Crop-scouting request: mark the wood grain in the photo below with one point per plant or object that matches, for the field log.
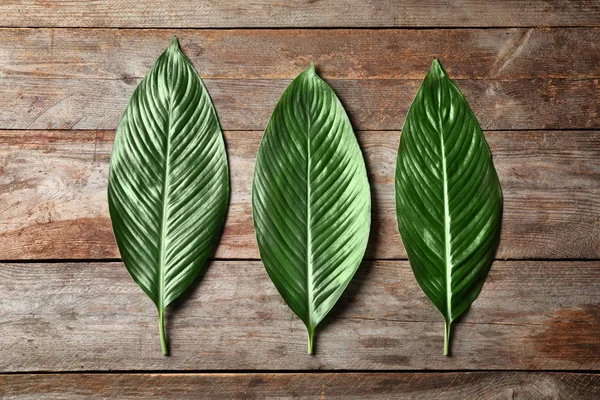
(343, 386)
(53, 194)
(91, 316)
(302, 13)
(531, 72)
(65, 79)
(530, 53)
(241, 104)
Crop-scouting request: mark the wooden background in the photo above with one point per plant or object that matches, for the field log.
(74, 325)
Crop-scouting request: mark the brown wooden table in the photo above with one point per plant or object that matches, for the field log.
(74, 325)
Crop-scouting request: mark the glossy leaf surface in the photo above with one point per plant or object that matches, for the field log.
(448, 197)
(311, 199)
(168, 182)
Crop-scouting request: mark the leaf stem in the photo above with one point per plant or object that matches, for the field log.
(447, 338)
(161, 328)
(311, 331)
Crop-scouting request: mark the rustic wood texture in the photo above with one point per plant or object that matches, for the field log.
(246, 104)
(53, 194)
(530, 70)
(64, 79)
(343, 386)
(280, 54)
(80, 316)
(301, 13)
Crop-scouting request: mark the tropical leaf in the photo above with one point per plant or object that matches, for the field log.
(448, 197)
(311, 200)
(168, 183)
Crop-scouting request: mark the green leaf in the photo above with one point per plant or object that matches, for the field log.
(310, 199)
(168, 183)
(448, 197)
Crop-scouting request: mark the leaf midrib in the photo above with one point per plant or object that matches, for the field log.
(309, 266)
(165, 209)
(446, 215)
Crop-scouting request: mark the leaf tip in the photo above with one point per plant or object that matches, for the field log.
(311, 68)
(436, 68)
(174, 43)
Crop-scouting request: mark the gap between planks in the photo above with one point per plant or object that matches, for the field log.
(304, 28)
(294, 371)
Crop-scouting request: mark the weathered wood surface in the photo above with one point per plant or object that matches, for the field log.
(532, 87)
(64, 79)
(53, 194)
(516, 53)
(343, 386)
(80, 316)
(301, 13)
(241, 104)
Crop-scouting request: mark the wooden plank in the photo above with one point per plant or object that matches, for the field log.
(304, 13)
(376, 104)
(53, 194)
(80, 316)
(280, 54)
(346, 386)
(65, 79)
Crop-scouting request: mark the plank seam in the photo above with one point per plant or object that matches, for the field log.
(315, 27)
(300, 371)
(495, 130)
(119, 260)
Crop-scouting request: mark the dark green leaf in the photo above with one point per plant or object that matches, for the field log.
(311, 200)
(448, 197)
(168, 183)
